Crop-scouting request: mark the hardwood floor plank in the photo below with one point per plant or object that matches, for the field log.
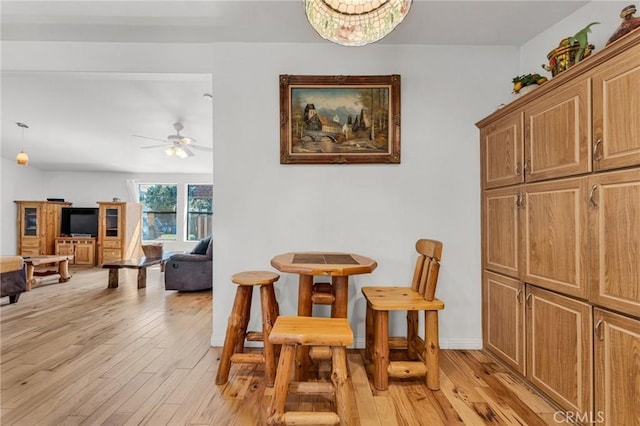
(81, 354)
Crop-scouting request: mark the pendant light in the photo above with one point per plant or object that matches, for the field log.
(22, 158)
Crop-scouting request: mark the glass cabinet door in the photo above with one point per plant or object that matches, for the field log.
(30, 221)
(111, 222)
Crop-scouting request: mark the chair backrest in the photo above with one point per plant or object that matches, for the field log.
(425, 276)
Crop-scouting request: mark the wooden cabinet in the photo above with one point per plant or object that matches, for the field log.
(501, 230)
(501, 145)
(119, 231)
(616, 116)
(616, 349)
(503, 324)
(82, 249)
(554, 235)
(557, 134)
(614, 236)
(559, 348)
(38, 226)
(568, 232)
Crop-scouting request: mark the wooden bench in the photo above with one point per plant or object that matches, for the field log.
(139, 263)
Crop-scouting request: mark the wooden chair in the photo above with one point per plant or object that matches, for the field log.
(293, 333)
(422, 353)
(233, 350)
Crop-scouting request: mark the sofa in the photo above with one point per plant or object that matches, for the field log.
(191, 271)
(13, 277)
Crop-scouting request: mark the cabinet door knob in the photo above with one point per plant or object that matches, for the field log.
(596, 152)
(592, 195)
(598, 330)
(519, 296)
(527, 166)
(518, 164)
(528, 300)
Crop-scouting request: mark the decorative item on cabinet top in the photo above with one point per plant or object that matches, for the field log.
(570, 51)
(629, 23)
(525, 83)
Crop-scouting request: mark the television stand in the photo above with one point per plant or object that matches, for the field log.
(83, 249)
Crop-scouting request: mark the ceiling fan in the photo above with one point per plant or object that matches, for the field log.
(176, 144)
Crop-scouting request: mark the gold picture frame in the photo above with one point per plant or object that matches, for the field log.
(339, 119)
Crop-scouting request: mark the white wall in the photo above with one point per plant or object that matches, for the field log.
(264, 208)
(18, 183)
(534, 53)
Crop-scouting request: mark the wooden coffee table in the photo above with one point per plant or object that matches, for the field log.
(139, 263)
(40, 277)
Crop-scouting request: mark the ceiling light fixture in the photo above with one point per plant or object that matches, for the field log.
(181, 153)
(22, 158)
(170, 150)
(355, 22)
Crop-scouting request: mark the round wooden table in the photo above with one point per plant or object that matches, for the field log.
(338, 266)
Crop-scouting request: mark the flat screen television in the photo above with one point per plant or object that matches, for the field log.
(79, 221)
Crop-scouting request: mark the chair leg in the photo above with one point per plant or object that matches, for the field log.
(412, 334)
(274, 313)
(381, 351)
(432, 349)
(233, 327)
(369, 339)
(305, 288)
(267, 325)
(341, 384)
(246, 316)
(281, 387)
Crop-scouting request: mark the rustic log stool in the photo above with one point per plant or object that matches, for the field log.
(293, 333)
(233, 350)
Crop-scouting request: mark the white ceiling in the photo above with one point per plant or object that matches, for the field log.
(85, 121)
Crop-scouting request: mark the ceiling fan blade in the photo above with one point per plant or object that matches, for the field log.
(188, 151)
(153, 139)
(201, 148)
(152, 146)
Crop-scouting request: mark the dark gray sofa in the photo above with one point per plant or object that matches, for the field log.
(190, 271)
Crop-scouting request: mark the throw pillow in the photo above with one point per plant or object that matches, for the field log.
(202, 246)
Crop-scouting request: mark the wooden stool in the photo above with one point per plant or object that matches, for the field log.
(239, 320)
(293, 333)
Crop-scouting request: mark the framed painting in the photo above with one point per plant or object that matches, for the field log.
(339, 119)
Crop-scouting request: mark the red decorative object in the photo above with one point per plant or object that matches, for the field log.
(629, 23)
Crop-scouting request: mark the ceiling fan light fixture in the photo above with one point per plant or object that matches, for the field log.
(170, 150)
(355, 22)
(180, 153)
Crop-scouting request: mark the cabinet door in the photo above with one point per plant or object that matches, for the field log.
(614, 234)
(501, 231)
(616, 348)
(84, 253)
(559, 348)
(616, 112)
(64, 249)
(501, 146)
(503, 319)
(554, 232)
(557, 133)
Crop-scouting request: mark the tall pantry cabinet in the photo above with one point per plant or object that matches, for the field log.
(561, 234)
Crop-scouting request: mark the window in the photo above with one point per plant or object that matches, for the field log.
(158, 211)
(199, 211)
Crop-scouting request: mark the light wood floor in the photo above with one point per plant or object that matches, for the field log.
(79, 353)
